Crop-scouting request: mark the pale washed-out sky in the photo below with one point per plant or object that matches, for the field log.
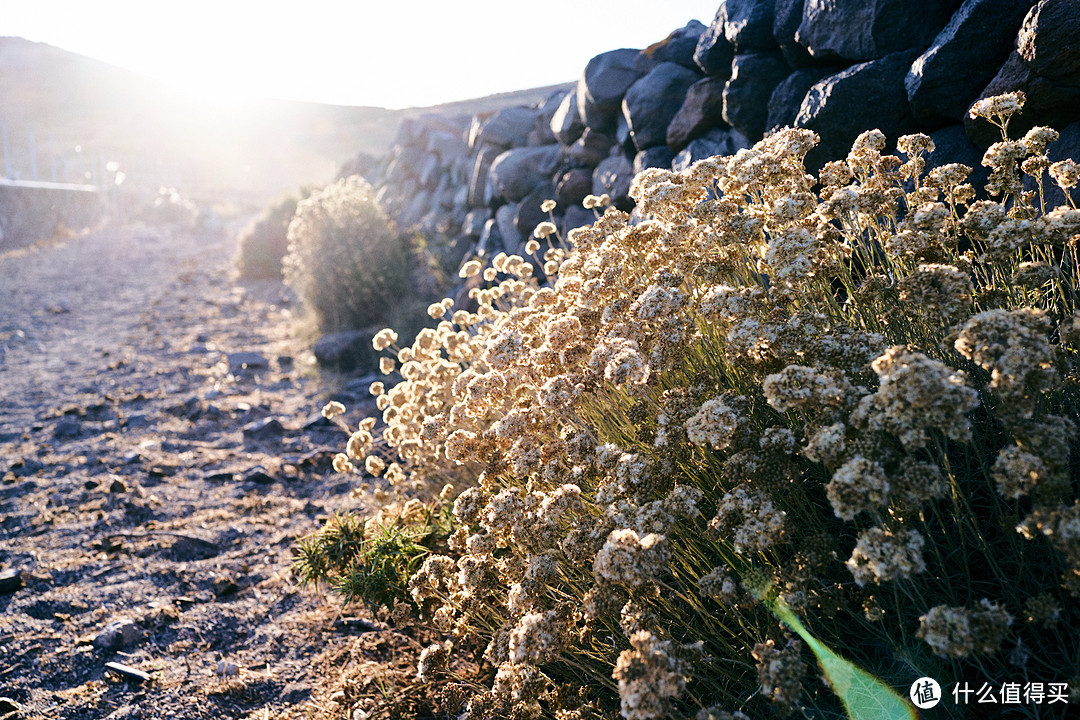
(390, 53)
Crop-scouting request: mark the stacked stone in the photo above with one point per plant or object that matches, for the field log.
(837, 68)
(423, 181)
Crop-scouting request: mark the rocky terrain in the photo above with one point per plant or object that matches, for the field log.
(161, 450)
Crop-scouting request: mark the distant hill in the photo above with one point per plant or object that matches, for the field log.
(68, 118)
(490, 103)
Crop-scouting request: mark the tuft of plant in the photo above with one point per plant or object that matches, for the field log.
(854, 396)
(369, 562)
(345, 260)
(264, 241)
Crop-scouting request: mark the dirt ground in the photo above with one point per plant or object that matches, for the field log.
(154, 481)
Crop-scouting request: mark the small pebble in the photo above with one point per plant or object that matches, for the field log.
(227, 669)
(118, 634)
(127, 671)
(10, 581)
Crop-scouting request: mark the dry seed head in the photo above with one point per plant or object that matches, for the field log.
(374, 465)
(472, 267)
(1065, 173)
(948, 176)
(956, 632)
(713, 425)
(629, 559)
(882, 555)
(649, 676)
(998, 105)
(332, 410)
(913, 144)
(543, 230)
(342, 463)
(596, 201)
(780, 672)
(858, 485)
(384, 339)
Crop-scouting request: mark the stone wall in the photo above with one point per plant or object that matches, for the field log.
(474, 186)
(32, 211)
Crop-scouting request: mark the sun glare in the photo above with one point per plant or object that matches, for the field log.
(393, 55)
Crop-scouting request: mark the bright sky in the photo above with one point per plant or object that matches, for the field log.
(390, 53)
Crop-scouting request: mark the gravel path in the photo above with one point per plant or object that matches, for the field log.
(153, 483)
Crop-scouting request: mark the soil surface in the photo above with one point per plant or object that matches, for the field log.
(161, 449)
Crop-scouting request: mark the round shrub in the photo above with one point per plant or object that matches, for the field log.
(264, 241)
(345, 259)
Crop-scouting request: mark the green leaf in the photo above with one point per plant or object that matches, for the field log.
(864, 696)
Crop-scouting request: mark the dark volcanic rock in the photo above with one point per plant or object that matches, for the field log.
(566, 123)
(508, 229)
(841, 106)
(258, 475)
(66, 429)
(679, 46)
(602, 86)
(118, 634)
(576, 216)
(474, 221)
(346, 351)
(787, 16)
(542, 134)
(1045, 66)
(265, 430)
(748, 25)
(246, 360)
(1048, 41)
(589, 149)
(701, 111)
(945, 80)
(786, 100)
(572, 187)
(481, 170)
(447, 145)
(612, 176)
(651, 103)
(871, 29)
(754, 76)
(505, 128)
(658, 157)
(529, 214)
(10, 581)
(517, 171)
(491, 240)
(713, 53)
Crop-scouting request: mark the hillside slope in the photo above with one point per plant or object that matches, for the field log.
(66, 117)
